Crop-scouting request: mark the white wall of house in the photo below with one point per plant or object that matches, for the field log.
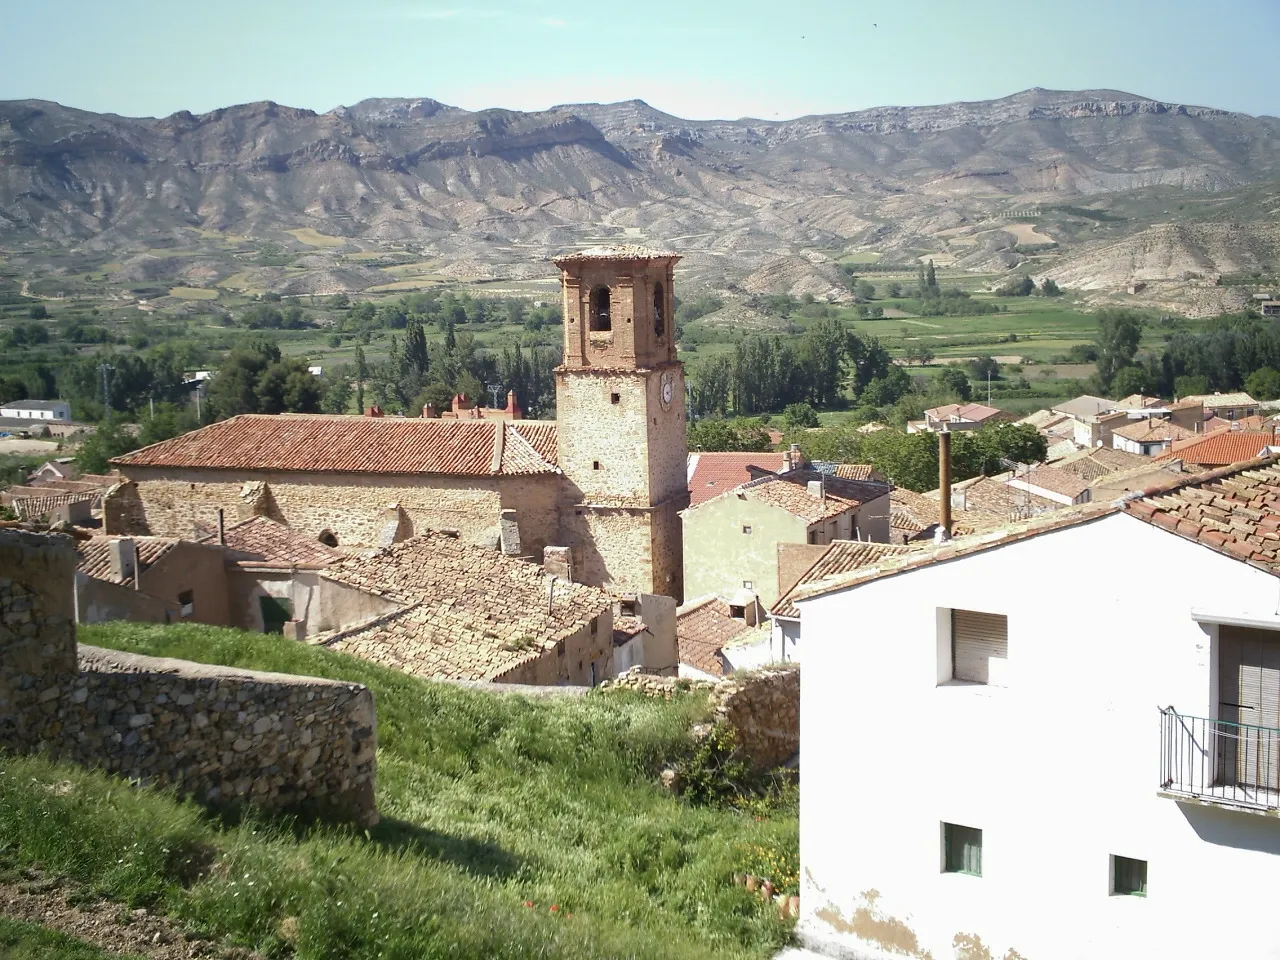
(784, 640)
(1059, 768)
(56, 411)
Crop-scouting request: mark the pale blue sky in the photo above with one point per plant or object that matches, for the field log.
(694, 58)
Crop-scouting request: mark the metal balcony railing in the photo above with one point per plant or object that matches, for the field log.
(1219, 762)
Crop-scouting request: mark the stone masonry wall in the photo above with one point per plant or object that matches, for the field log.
(178, 502)
(762, 707)
(218, 734)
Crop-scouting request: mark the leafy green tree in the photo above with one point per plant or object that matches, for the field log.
(1130, 380)
(335, 391)
(11, 389)
(865, 290)
(1189, 386)
(38, 312)
(1263, 384)
(799, 415)
(980, 452)
(984, 368)
(888, 389)
(716, 435)
(894, 289)
(169, 420)
(234, 390)
(287, 386)
(362, 374)
(1019, 286)
(107, 441)
(952, 378)
(1049, 289)
(1119, 333)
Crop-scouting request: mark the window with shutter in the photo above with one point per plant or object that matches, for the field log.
(979, 646)
(961, 849)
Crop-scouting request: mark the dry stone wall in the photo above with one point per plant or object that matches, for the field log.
(762, 707)
(221, 735)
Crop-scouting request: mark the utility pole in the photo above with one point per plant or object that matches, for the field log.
(495, 390)
(105, 370)
(988, 386)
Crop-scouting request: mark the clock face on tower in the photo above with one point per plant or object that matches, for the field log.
(668, 385)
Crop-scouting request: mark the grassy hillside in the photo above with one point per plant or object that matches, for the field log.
(512, 827)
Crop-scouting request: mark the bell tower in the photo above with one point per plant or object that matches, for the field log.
(620, 409)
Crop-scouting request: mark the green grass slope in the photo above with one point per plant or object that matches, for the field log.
(512, 827)
(29, 941)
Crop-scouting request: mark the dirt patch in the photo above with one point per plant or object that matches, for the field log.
(1027, 233)
(108, 925)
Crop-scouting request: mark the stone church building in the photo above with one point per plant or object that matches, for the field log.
(607, 479)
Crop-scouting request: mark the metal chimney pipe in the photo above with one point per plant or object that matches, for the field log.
(944, 484)
(222, 528)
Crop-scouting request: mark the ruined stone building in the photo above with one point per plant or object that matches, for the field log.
(606, 480)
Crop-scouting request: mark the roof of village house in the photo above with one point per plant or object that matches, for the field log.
(1055, 480)
(911, 513)
(626, 627)
(840, 557)
(263, 540)
(790, 491)
(985, 498)
(94, 555)
(465, 612)
(1059, 449)
(1237, 399)
(1214, 424)
(351, 444)
(1136, 401)
(711, 474)
(856, 471)
(1085, 407)
(1254, 421)
(1153, 431)
(1094, 463)
(703, 627)
(1221, 448)
(974, 412)
(626, 251)
(1043, 419)
(1234, 510)
(34, 404)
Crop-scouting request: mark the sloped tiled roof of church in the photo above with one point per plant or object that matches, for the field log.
(326, 443)
(464, 612)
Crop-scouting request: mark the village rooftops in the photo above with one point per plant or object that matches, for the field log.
(1221, 448)
(1153, 431)
(841, 557)
(46, 406)
(626, 251)
(464, 612)
(1093, 464)
(852, 471)
(95, 555)
(262, 541)
(1213, 401)
(792, 491)
(1086, 407)
(711, 474)
(985, 498)
(324, 443)
(1055, 480)
(1233, 510)
(971, 412)
(703, 628)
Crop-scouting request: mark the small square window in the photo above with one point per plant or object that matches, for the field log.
(187, 603)
(961, 849)
(747, 584)
(1128, 877)
(615, 398)
(595, 464)
(737, 612)
(746, 529)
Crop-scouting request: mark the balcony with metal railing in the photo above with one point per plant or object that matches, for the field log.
(1220, 763)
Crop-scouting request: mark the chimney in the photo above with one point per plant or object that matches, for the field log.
(429, 412)
(513, 408)
(944, 486)
(222, 528)
(817, 489)
(558, 562)
(797, 458)
(124, 560)
(460, 403)
(374, 411)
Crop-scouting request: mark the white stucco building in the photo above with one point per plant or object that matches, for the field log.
(37, 410)
(993, 772)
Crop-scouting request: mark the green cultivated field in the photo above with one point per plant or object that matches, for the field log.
(512, 828)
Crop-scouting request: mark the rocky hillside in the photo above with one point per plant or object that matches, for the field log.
(753, 204)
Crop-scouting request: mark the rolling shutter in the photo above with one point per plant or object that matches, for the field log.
(976, 640)
(1249, 664)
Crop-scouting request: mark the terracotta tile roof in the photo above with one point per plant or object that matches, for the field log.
(264, 540)
(1097, 463)
(1152, 431)
(624, 628)
(1234, 510)
(1221, 448)
(1255, 422)
(1213, 401)
(841, 557)
(912, 513)
(703, 627)
(975, 412)
(1136, 401)
(346, 444)
(627, 251)
(790, 492)
(1055, 480)
(711, 474)
(95, 555)
(1214, 424)
(1044, 419)
(857, 471)
(958, 547)
(1085, 407)
(1058, 449)
(464, 612)
(984, 500)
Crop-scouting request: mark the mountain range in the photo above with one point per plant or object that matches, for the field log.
(1097, 187)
